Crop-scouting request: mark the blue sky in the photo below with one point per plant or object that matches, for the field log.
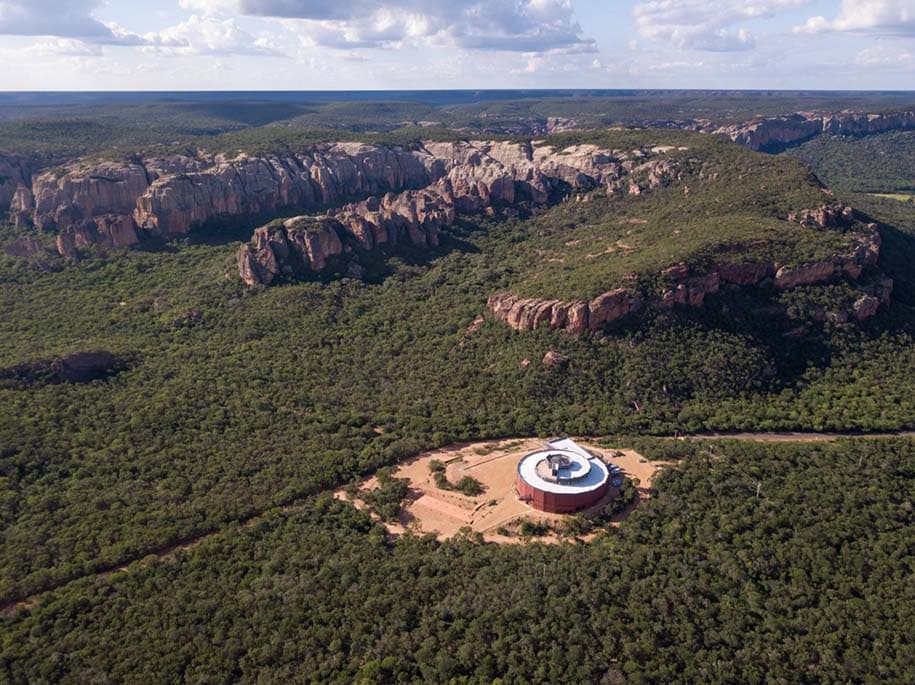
(407, 44)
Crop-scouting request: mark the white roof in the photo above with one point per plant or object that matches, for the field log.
(570, 445)
(594, 471)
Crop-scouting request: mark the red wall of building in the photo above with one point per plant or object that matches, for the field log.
(558, 503)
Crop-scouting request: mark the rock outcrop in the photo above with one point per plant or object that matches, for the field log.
(305, 244)
(475, 178)
(865, 253)
(119, 203)
(15, 173)
(579, 316)
(555, 359)
(684, 288)
(830, 215)
(772, 133)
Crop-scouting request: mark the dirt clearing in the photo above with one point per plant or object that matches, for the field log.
(497, 513)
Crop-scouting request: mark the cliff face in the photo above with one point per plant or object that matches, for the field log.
(121, 203)
(775, 132)
(687, 289)
(475, 178)
(575, 317)
(305, 244)
(15, 184)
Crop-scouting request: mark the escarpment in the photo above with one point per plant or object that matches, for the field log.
(121, 203)
(478, 178)
(777, 132)
(684, 287)
(304, 244)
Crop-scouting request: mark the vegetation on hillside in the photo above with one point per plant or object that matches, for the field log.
(247, 405)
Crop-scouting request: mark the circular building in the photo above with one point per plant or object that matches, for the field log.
(560, 480)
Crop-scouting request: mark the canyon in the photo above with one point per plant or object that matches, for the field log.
(347, 198)
(118, 203)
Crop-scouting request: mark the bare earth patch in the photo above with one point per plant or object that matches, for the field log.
(445, 513)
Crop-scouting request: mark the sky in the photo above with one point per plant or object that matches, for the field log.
(443, 44)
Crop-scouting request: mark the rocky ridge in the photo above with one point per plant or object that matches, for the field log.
(118, 204)
(480, 178)
(121, 203)
(777, 132)
(685, 288)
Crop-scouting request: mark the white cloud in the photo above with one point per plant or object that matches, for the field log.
(71, 19)
(534, 26)
(883, 56)
(702, 25)
(209, 7)
(208, 36)
(70, 47)
(886, 17)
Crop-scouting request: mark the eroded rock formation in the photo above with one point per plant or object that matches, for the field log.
(119, 203)
(476, 178)
(780, 131)
(575, 317)
(307, 244)
(687, 289)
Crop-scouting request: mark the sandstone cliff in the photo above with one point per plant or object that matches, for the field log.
(474, 178)
(777, 132)
(121, 203)
(684, 288)
(304, 244)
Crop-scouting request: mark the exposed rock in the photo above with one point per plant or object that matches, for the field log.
(73, 196)
(22, 205)
(612, 306)
(676, 272)
(780, 131)
(692, 291)
(774, 131)
(66, 246)
(832, 215)
(25, 247)
(805, 274)
(574, 317)
(865, 307)
(850, 123)
(555, 359)
(169, 196)
(478, 322)
(307, 244)
(15, 173)
(865, 253)
(475, 178)
(686, 290)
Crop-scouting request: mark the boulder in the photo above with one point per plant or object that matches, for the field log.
(555, 359)
(865, 307)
